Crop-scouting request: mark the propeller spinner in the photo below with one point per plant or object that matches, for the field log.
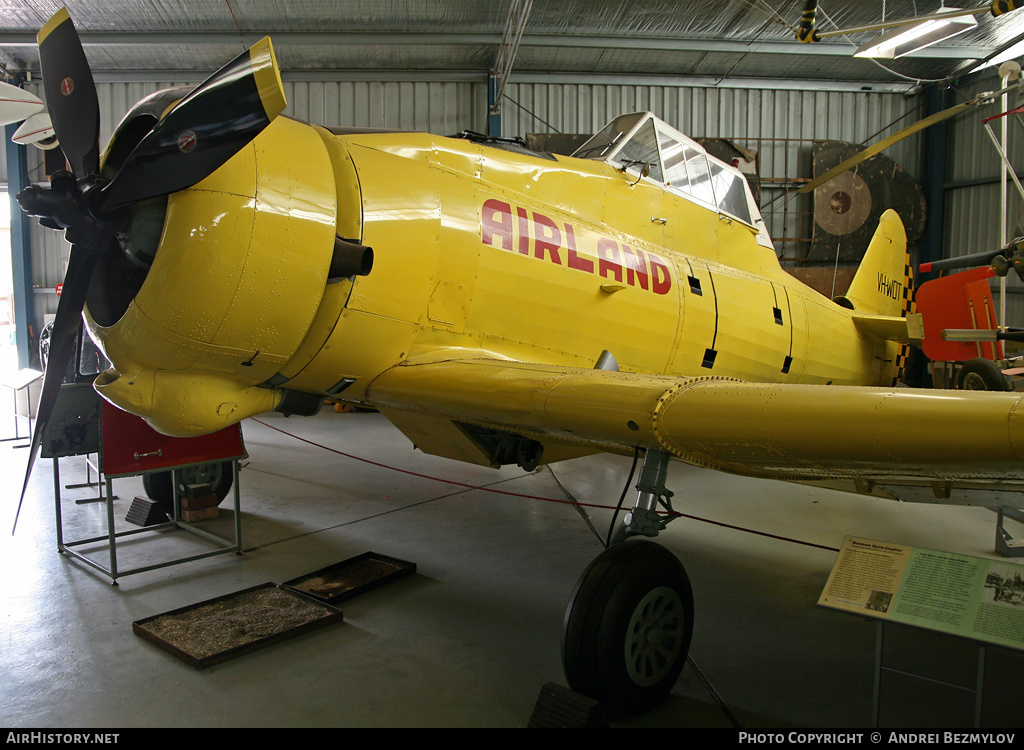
(189, 142)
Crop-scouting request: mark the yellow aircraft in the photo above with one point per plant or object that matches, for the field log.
(515, 308)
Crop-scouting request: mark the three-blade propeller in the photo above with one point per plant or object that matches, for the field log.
(188, 143)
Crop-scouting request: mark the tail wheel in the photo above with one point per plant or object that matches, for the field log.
(981, 375)
(159, 485)
(627, 629)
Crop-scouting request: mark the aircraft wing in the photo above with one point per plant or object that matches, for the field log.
(963, 447)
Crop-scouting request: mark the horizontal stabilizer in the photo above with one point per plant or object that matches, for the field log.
(892, 328)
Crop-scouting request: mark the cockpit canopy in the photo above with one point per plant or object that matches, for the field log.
(641, 142)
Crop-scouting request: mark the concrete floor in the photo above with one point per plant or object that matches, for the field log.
(472, 637)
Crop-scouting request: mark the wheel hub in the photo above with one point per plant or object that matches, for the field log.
(974, 382)
(654, 636)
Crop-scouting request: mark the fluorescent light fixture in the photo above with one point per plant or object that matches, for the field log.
(906, 39)
(1015, 28)
(1012, 53)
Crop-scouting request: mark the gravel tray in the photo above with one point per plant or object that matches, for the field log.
(213, 631)
(352, 577)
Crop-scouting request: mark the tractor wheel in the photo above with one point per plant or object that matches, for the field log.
(981, 375)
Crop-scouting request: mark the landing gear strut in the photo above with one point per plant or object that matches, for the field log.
(627, 629)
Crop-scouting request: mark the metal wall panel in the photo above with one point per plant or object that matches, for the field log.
(973, 196)
(442, 107)
(712, 112)
(973, 175)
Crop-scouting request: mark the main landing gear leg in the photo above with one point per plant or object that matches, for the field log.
(627, 629)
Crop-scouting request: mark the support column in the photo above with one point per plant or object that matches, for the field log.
(493, 106)
(21, 250)
(933, 176)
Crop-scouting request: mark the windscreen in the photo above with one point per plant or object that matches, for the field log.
(607, 138)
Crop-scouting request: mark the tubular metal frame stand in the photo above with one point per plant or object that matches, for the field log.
(90, 467)
(1006, 545)
(30, 377)
(111, 537)
(17, 435)
(879, 668)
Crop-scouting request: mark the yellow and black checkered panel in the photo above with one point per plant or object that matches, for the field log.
(908, 307)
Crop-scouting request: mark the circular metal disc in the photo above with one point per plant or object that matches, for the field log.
(842, 204)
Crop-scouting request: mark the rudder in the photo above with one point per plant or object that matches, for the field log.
(884, 285)
(884, 282)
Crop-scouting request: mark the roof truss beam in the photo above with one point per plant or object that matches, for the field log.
(617, 42)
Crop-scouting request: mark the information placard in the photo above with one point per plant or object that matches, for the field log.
(966, 596)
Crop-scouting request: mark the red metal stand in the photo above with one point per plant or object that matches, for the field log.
(130, 447)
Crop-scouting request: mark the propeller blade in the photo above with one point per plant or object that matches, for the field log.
(16, 104)
(202, 131)
(882, 145)
(70, 93)
(964, 261)
(945, 114)
(62, 345)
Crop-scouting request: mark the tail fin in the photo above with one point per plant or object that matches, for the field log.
(884, 283)
(884, 286)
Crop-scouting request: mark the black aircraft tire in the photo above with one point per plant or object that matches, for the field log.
(981, 374)
(159, 487)
(627, 629)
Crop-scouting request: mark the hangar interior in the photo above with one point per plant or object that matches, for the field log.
(472, 638)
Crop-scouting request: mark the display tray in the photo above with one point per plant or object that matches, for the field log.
(219, 629)
(351, 577)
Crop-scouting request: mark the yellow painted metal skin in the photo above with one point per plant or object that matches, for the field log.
(234, 290)
(863, 439)
(461, 293)
(267, 77)
(498, 279)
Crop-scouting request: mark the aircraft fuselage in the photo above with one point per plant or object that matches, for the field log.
(476, 250)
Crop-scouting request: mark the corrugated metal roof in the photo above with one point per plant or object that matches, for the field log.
(727, 38)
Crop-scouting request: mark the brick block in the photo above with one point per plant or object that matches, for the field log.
(201, 502)
(191, 516)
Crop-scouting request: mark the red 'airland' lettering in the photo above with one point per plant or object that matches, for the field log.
(610, 259)
(524, 232)
(575, 261)
(533, 233)
(635, 263)
(549, 239)
(496, 219)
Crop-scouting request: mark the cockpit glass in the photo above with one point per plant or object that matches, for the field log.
(700, 176)
(730, 193)
(674, 155)
(642, 150)
(607, 138)
(669, 157)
